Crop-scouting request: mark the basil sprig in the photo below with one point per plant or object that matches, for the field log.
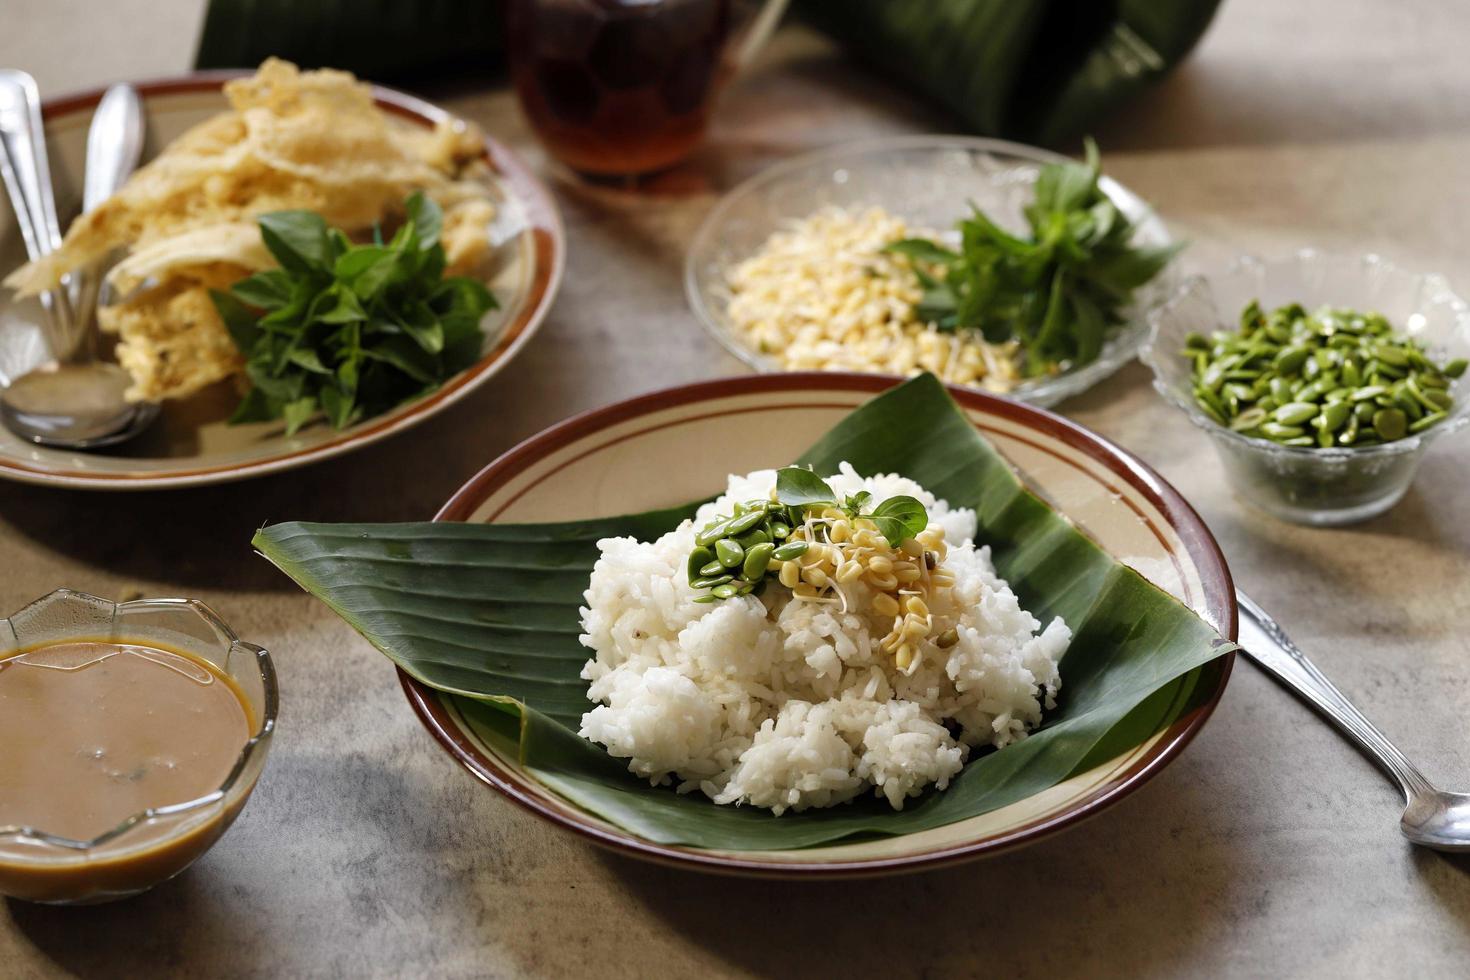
(898, 518)
(350, 330)
(1060, 290)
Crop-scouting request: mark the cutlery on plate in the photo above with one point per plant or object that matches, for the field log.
(76, 402)
(114, 147)
(1432, 817)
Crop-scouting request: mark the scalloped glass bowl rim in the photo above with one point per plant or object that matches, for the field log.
(259, 743)
(1123, 346)
(1151, 356)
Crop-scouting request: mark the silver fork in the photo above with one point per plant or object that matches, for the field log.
(1432, 817)
(76, 401)
(23, 162)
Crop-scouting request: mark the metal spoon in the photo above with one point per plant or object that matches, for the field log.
(1432, 818)
(78, 401)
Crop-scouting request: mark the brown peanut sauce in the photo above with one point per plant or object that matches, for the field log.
(96, 732)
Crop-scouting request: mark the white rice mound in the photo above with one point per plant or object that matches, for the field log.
(787, 704)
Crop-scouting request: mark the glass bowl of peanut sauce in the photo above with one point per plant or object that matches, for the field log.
(133, 735)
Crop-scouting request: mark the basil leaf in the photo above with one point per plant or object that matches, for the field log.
(281, 389)
(1128, 270)
(266, 290)
(1105, 218)
(797, 487)
(1047, 338)
(337, 406)
(367, 269)
(420, 323)
(350, 330)
(297, 412)
(899, 518)
(308, 359)
(426, 218)
(344, 309)
(238, 321)
(1088, 326)
(298, 240)
(406, 356)
(347, 378)
(468, 295)
(922, 250)
(1056, 291)
(254, 407)
(430, 263)
(303, 292)
(935, 304)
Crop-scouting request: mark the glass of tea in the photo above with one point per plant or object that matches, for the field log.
(625, 87)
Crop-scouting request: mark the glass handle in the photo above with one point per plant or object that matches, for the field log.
(759, 32)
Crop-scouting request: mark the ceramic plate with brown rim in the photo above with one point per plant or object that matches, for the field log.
(192, 444)
(597, 465)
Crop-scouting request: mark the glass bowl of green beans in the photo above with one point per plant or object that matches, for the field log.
(1321, 379)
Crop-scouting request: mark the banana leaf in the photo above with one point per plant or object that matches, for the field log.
(489, 613)
(1041, 70)
(1037, 70)
(376, 39)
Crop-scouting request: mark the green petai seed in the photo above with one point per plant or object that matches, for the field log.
(1295, 413)
(711, 533)
(1275, 430)
(1290, 360)
(698, 558)
(745, 522)
(1334, 416)
(752, 538)
(789, 550)
(1331, 377)
(1248, 419)
(756, 561)
(1390, 424)
(729, 552)
(1427, 421)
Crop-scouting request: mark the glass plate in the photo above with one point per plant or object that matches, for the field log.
(928, 181)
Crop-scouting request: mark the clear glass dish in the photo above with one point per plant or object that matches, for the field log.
(928, 181)
(1312, 485)
(154, 845)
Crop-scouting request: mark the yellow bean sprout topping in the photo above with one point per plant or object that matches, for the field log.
(903, 580)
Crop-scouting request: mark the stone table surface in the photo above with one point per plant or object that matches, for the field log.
(1268, 848)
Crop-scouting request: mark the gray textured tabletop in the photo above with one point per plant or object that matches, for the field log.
(1268, 848)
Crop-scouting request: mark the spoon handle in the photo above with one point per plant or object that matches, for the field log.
(114, 146)
(1265, 642)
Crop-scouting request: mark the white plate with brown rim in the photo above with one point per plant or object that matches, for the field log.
(192, 444)
(597, 465)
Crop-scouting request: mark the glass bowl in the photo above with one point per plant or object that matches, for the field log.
(1312, 485)
(153, 845)
(929, 181)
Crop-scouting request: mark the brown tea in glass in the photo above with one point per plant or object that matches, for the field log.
(621, 87)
